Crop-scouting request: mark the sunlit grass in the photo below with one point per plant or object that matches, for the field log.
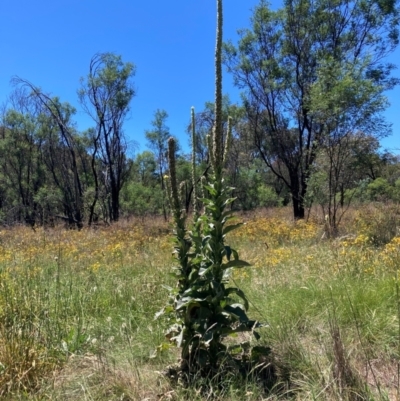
(69, 293)
(77, 310)
(303, 286)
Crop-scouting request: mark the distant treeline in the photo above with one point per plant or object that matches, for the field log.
(313, 79)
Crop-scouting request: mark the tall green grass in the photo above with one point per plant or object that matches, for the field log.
(76, 314)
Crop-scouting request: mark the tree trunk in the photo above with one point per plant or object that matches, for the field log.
(114, 204)
(298, 207)
(297, 195)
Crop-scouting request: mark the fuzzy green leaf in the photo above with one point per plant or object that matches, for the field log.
(235, 263)
(229, 201)
(239, 293)
(187, 302)
(228, 229)
(228, 252)
(206, 202)
(237, 310)
(210, 188)
(235, 254)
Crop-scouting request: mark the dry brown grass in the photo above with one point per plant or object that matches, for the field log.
(93, 377)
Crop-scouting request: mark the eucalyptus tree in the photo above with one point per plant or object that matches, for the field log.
(106, 94)
(61, 150)
(157, 141)
(341, 174)
(21, 166)
(144, 168)
(312, 73)
(142, 194)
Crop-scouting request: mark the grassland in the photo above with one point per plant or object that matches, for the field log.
(77, 310)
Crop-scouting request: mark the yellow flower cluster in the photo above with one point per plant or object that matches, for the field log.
(276, 231)
(360, 240)
(390, 254)
(266, 243)
(92, 249)
(274, 257)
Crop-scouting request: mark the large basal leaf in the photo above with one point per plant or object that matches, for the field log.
(237, 310)
(235, 263)
(185, 302)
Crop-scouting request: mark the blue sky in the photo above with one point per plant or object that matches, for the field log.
(50, 43)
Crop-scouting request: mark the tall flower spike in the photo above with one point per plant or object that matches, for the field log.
(203, 182)
(194, 179)
(217, 130)
(169, 194)
(172, 172)
(228, 140)
(211, 150)
(182, 193)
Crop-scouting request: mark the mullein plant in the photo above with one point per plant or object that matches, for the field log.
(203, 309)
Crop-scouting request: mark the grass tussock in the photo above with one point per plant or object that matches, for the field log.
(77, 311)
